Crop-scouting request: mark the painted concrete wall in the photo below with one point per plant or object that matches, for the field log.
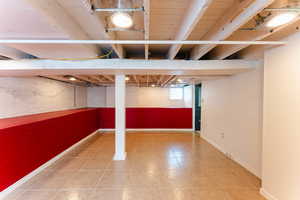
(22, 96)
(139, 97)
(232, 115)
(96, 96)
(281, 136)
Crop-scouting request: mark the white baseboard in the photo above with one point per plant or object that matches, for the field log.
(266, 194)
(150, 129)
(42, 167)
(234, 158)
(213, 144)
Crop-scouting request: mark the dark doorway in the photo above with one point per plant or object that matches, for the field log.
(198, 107)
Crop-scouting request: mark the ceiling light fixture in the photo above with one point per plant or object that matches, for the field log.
(281, 19)
(72, 79)
(122, 20)
(179, 80)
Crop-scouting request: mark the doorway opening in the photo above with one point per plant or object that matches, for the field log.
(198, 92)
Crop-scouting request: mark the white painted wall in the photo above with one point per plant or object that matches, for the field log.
(149, 97)
(281, 135)
(96, 96)
(233, 106)
(22, 96)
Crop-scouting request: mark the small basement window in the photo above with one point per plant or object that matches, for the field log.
(176, 93)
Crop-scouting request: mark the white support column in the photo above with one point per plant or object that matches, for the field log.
(120, 137)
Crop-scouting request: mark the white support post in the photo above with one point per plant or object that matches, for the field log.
(120, 137)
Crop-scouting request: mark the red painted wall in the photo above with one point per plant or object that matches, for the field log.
(149, 118)
(28, 142)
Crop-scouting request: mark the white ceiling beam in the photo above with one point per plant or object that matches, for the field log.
(58, 16)
(192, 17)
(222, 51)
(211, 42)
(146, 26)
(238, 15)
(128, 66)
(90, 22)
(12, 53)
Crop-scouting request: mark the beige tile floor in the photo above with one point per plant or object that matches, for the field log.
(159, 166)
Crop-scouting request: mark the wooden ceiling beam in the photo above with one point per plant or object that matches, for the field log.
(94, 26)
(170, 78)
(87, 79)
(65, 80)
(238, 15)
(77, 21)
(58, 16)
(147, 80)
(136, 80)
(223, 51)
(160, 79)
(102, 80)
(190, 20)
(108, 77)
(256, 52)
(12, 53)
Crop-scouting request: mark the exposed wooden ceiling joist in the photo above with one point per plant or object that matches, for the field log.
(237, 16)
(12, 53)
(93, 80)
(74, 18)
(223, 51)
(87, 79)
(169, 79)
(136, 80)
(192, 17)
(108, 77)
(65, 79)
(256, 52)
(58, 16)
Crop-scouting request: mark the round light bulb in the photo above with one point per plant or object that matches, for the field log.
(127, 78)
(281, 19)
(122, 20)
(72, 79)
